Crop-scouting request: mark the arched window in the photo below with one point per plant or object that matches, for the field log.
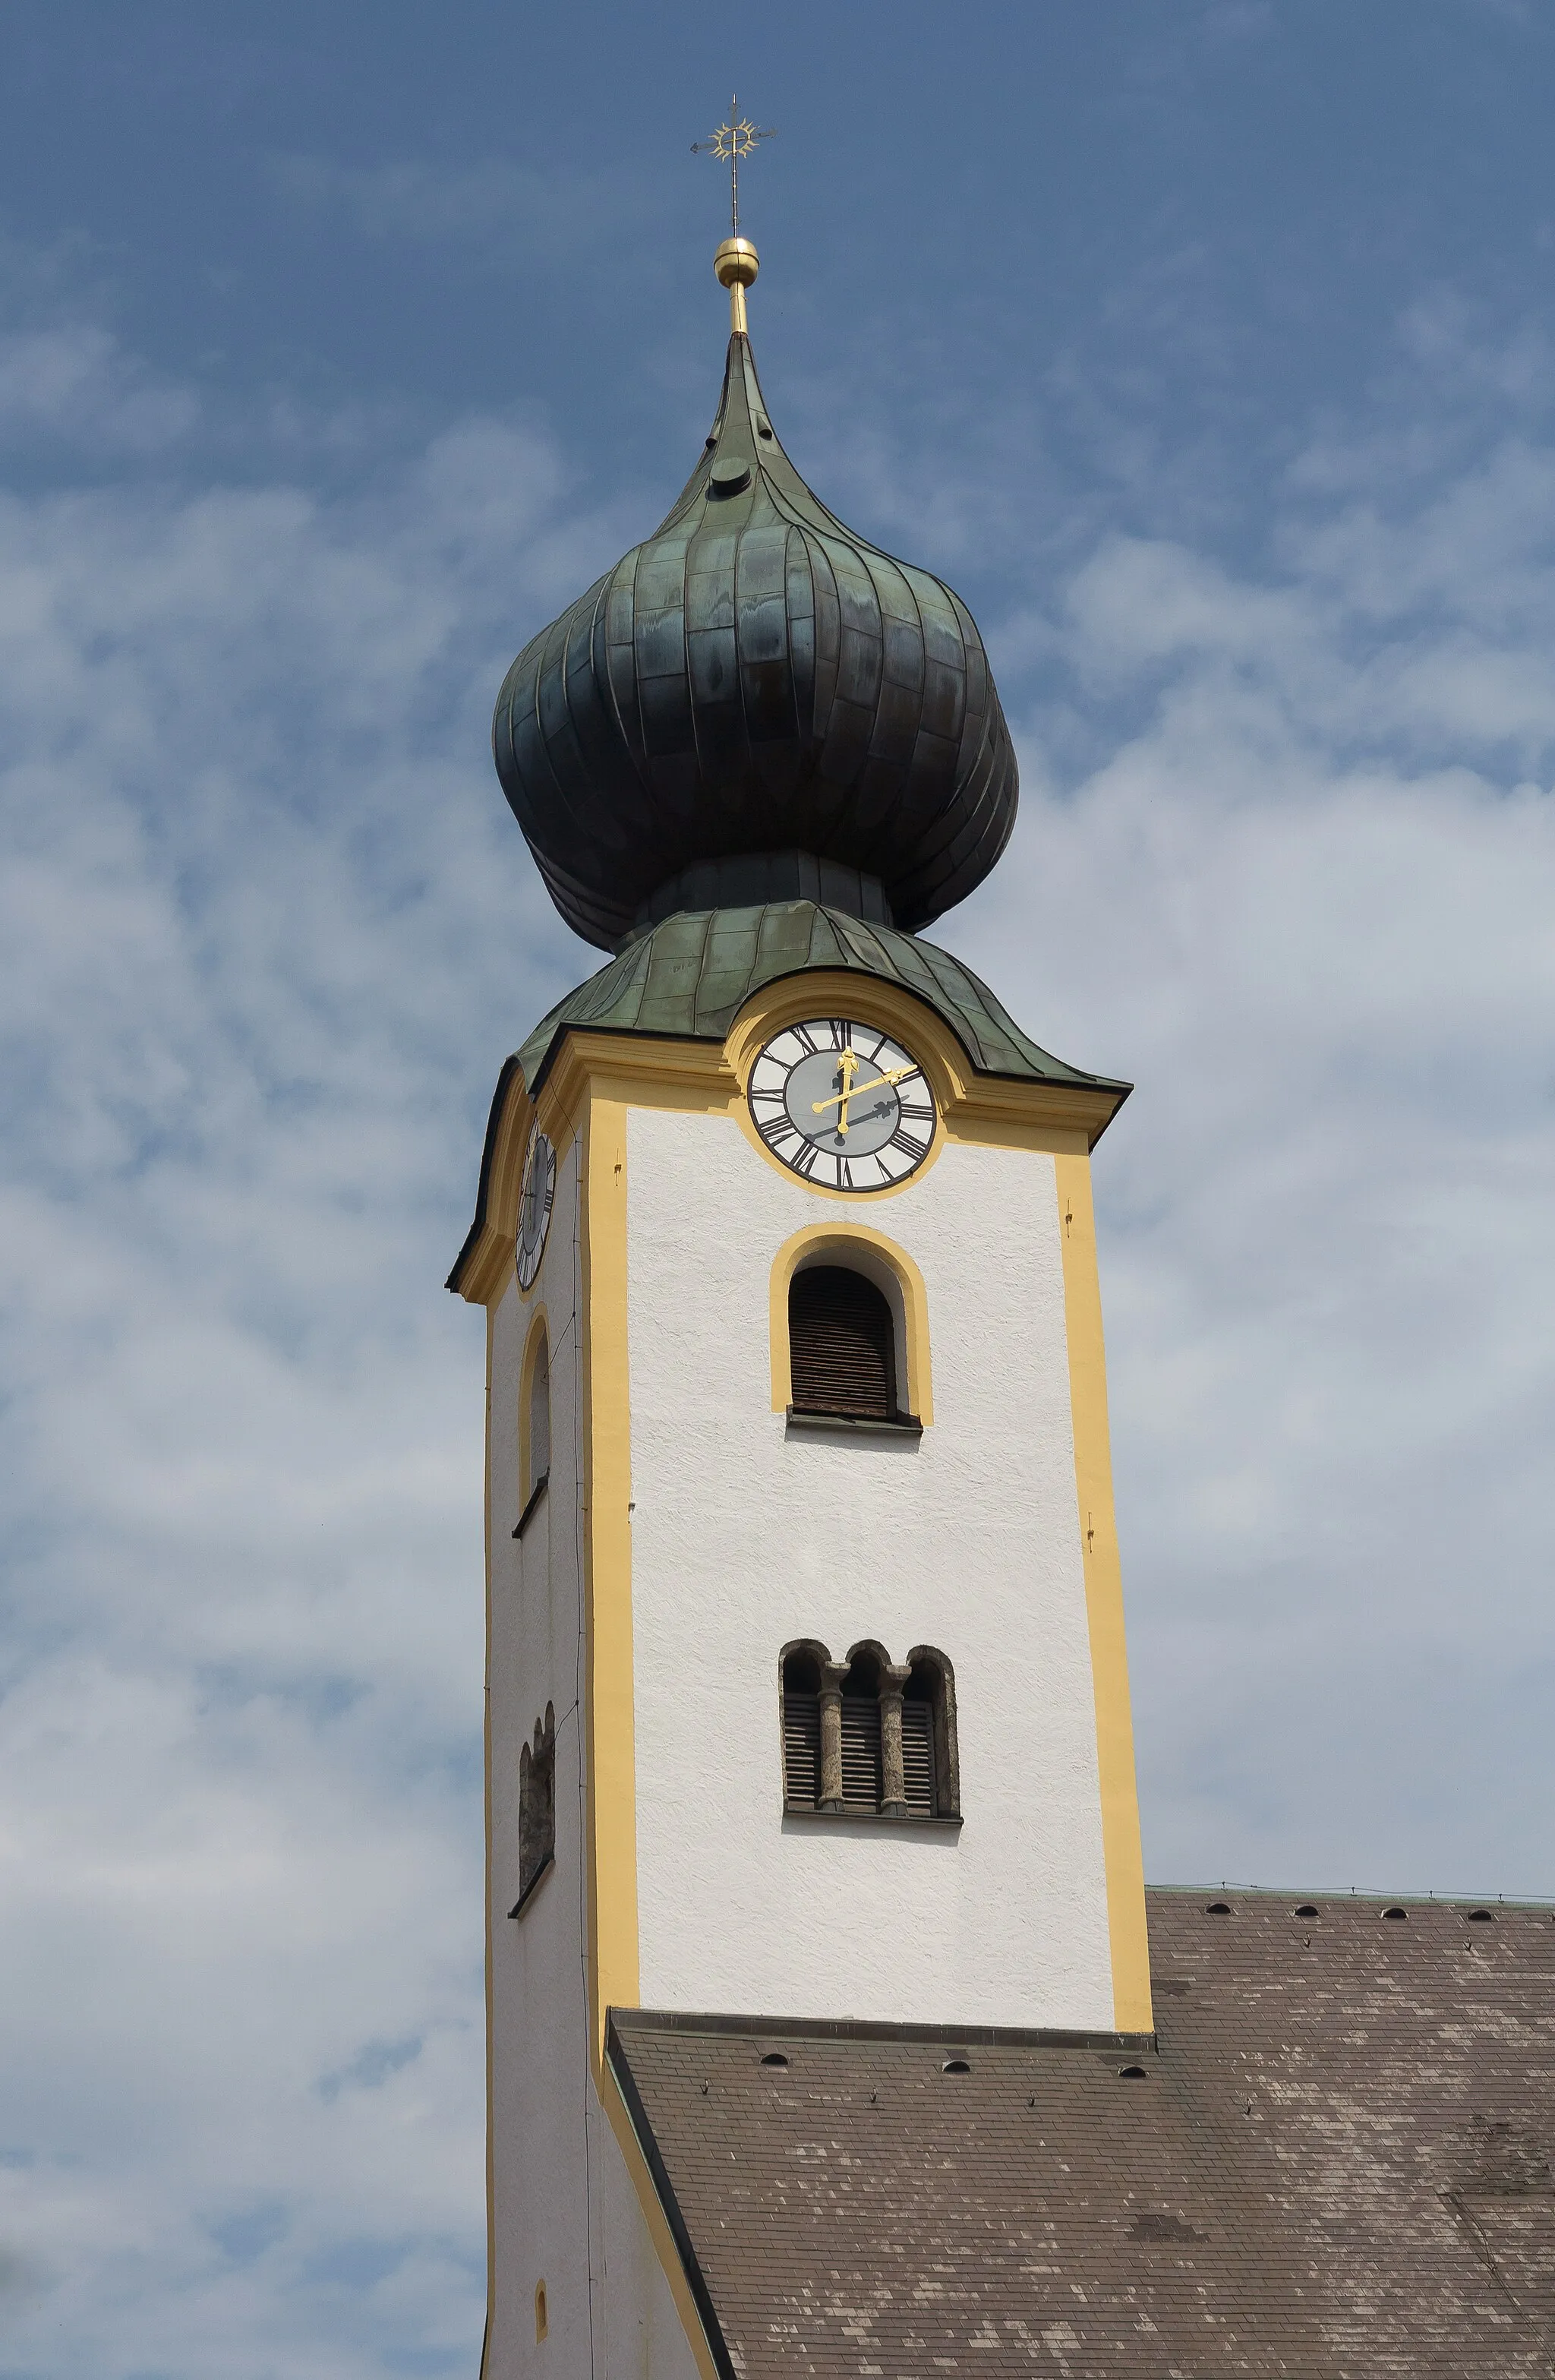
(536, 1807)
(534, 1425)
(801, 1727)
(861, 1744)
(869, 1737)
(539, 1431)
(842, 1346)
(931, 1755)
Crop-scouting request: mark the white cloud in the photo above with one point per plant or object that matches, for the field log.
(266, 938)
(1307, 905)
(76, 382)
(266, 934)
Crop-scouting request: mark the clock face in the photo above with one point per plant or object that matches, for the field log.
(842, 1104)
(534, 1206)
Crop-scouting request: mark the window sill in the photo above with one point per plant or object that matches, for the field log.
(899, 1426)
(526, 1515)
(542, 1872)
(849, 1817)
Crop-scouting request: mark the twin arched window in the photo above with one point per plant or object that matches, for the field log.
(841, 1347)
(869, 1737)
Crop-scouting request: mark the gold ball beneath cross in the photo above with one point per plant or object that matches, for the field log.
(736, 260)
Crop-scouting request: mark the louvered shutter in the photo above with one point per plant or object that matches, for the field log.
(841, 1345)
(917, 1758)
(801, 1749)
(861, 1752)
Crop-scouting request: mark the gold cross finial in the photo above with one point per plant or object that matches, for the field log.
(730, 143)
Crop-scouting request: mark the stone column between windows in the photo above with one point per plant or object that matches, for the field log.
(893, 1783)
(831, 1676)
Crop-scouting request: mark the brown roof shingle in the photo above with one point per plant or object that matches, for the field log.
(1337, 2161)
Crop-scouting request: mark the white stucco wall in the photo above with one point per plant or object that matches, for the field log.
(540, 2033)
(565, 2208)
(745, 1534)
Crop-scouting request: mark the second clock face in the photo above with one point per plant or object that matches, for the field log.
(842, 1104)
(534, 1207)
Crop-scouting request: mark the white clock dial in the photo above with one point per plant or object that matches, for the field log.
(842, 1104)
(534, 1206)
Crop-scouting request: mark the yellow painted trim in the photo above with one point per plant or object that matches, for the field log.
(971, 1107)
(836, 993)
(707, 1077)
(974, 1106)
(658, 2224)
(487, 1816)
(491, 1265)
(610, 1801)
(1121, 1850)
(539, 1335)
(692, 1075)
(842, 1239)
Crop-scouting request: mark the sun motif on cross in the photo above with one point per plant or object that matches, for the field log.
(732, 141)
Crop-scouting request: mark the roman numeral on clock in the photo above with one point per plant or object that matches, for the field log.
(842, 1104)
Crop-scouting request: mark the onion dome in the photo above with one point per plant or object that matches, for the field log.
(756, 705)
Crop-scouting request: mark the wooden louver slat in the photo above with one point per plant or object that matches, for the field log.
(917, 1758)
(861, 1752)
(842, 1350)
(801, 1749)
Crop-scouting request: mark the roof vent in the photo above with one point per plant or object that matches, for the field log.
(1306, 1909)
(1219, 1909)
(1482, 1917)
(956, 2066)
(774, 2057)
(1397, 1914)
(1131, 2074)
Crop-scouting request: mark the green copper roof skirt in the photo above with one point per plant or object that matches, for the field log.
(689, 977)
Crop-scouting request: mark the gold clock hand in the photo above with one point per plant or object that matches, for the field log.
(856, 1090)
(847, 1065)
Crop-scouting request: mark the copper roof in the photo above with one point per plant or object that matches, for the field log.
(755, 680)
(1336, 2160)
(690, 977)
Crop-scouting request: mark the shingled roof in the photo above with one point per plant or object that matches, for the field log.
(1335, 2159)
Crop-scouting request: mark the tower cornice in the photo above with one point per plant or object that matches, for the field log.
(1065, 1113)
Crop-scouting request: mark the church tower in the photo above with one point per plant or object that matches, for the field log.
(808, 1705)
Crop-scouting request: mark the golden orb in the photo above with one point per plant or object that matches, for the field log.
(736, 260)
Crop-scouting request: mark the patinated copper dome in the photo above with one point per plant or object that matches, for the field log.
(755, 705)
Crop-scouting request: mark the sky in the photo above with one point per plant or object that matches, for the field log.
(1203, 346)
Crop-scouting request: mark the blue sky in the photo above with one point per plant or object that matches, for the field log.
(1204, 347)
